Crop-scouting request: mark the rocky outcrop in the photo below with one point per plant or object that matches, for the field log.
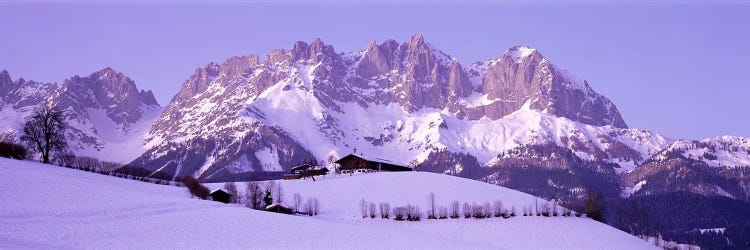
(6, 83)
(522, 74)
(111, 91)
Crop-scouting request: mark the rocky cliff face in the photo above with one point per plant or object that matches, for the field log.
(102, 110)
(522, 74)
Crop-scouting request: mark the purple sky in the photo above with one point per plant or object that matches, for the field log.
(680, 69)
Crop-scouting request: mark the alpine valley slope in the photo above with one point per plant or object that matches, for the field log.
(60, 208)
(107, 116)
(518, 120)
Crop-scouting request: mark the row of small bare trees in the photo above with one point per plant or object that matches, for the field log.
(309, 207)
(259, 198)
(455, 210)
(546, 210)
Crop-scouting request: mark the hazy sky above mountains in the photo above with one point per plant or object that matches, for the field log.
(679, 68)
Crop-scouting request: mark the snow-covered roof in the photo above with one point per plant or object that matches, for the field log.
(308, 167)
(275, 205)
(375, 159)
(303, 166)
(219, 189)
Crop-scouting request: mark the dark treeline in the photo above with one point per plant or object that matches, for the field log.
(13, 150)
(246, 176)
(678, 217)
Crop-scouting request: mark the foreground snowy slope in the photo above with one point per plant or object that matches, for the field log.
(45, 206)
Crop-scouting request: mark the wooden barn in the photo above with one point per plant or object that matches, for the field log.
(221, 195)
(278, 208)
(359, 164)
(305, 170)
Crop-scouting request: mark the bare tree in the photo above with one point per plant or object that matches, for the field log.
(316, 206)
(44, 131)
(66, 158)
(442, 213)
(110, 166)
(253, 195)
(195, 187)
(454, 209)
(431, 206)
(310, 206)
(476, 210)
(498, 208)
(279, 195)
(372, 210)
(297, 202)
(545, 209)
(87, 163)
(413, 213)
(512, 211)
(399, 213)
(363, 207)
(268, 193)
(467, 210)
(385, 210)
(487, 210)
(232, 190)
(554, 208)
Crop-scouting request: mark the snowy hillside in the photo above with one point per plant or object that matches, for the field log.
(717, 166)
(722, 151)
(51, 207)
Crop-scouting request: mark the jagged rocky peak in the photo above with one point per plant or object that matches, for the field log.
(375, 61)
(238, 64)
(316, 51)
(147, 97)
(522, 74)
(112, 91)
(521, 52)
(458, 81)
(421, 61)
(6, 83)
(5, 77)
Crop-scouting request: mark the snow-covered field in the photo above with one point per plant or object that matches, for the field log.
(43, 206)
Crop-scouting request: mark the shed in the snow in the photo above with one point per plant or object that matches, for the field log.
(278, 208)
(359, 164)
(301, 168)
(221, 195)
(306, 170)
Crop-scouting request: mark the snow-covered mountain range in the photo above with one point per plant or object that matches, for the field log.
(397, 101)
(107, 116)
(516, 120)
